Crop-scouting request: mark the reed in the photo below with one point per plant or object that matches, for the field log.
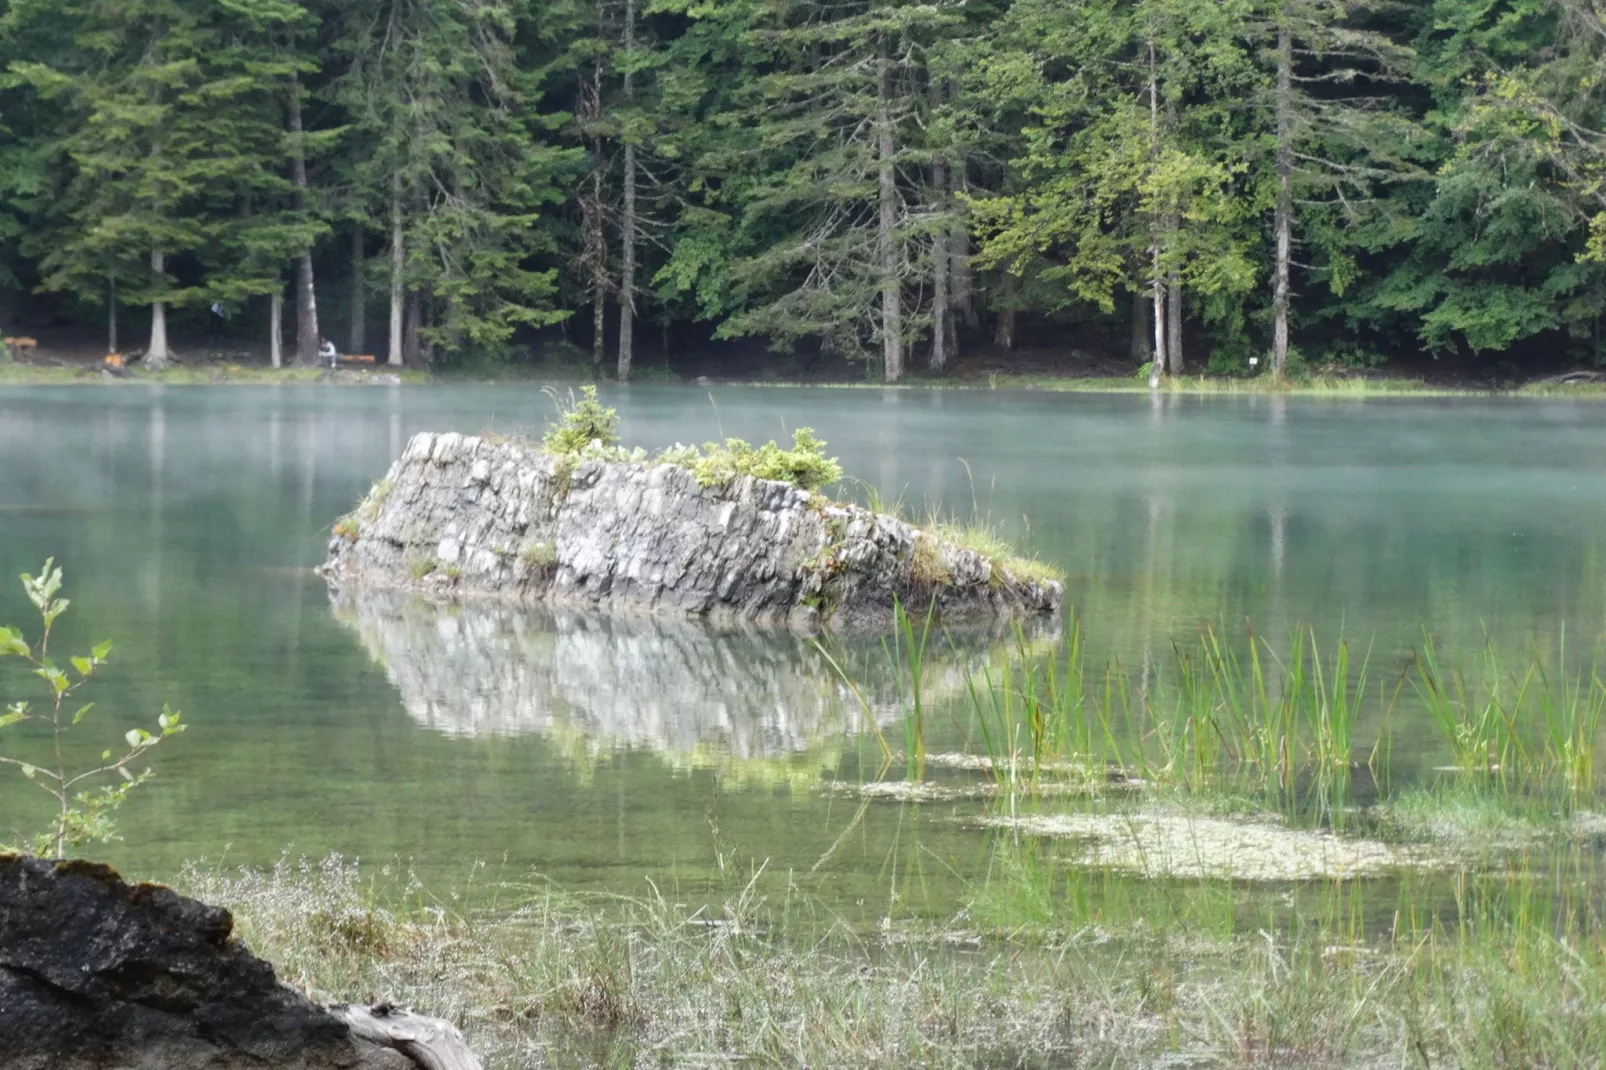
(1244, 714)
(1569, 712)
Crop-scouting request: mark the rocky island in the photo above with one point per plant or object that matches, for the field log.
(577, 520)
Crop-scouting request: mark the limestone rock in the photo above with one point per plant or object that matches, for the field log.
(97, 974)
(470, 517)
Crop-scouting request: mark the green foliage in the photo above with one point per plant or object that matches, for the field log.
(83, 811)
(420, 567)
(835, 179)
(538, 553)
(805, 465)
(582, 425)
(982, 538)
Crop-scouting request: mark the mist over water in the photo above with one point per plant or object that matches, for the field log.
(598, 751)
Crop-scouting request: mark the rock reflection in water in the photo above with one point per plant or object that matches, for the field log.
(676, 687)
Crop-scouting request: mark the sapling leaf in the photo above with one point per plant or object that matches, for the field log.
(83, 711)
(54, 676)
(133, 736)
(12, 644)
(101, 650)
(9, 719)
(29, 771)
(83, 665)
(105, 755)
(124, 773)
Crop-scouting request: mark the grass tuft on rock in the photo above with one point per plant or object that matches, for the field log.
(982, 538)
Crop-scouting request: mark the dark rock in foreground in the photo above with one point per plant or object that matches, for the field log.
(468, 517)
(97, 974)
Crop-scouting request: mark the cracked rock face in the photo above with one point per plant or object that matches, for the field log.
(97, 974)
(466, 517)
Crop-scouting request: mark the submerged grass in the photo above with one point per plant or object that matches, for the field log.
(1286, 722)
(1048, 967)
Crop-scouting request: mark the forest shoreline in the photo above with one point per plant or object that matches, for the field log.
(20, 373)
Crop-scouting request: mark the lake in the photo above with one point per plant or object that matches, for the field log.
(600, 752)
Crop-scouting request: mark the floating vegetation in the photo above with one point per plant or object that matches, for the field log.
(930, 791)
(1161, 845)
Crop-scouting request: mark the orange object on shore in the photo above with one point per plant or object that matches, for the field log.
(114, 360)
(23, 343)
(357, 358)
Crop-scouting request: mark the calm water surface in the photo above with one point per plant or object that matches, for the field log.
(601, 752)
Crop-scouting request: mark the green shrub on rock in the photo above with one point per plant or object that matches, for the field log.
(588, 429)
(586, 423)
(805, 465)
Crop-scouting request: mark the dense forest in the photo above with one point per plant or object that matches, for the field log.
(1221, 185)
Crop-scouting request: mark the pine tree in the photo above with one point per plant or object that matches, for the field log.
(447, 122)
(1128, 171)
(165, 136)
(821, 171)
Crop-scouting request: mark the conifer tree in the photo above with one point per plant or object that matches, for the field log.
(448, 124)
(824, 167)
(1128, 169)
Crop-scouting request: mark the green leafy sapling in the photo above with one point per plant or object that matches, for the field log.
(83, 811)
(581, 424)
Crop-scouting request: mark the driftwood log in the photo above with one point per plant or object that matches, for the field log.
(430, 1042)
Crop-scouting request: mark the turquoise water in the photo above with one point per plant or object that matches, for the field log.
(604, 752)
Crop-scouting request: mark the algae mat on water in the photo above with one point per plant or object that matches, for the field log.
(1180, 846)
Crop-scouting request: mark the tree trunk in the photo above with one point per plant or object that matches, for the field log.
(964, 288)
(398, 268)
(1173, 339)
(1004, 332)
(1285, 200)
(627, 269)
(276, 330)
(592, 224)
(111, 314)
(359, 291)
(941, 313)
(413, 341)
(891, 285)
(307, 337)
(1156, 251)
(157, 354)
(1141, 354)
(627, 263)
(964, 283)
(454, 304)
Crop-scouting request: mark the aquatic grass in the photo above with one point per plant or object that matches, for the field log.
(1474, 720)
(1471, 817)
(1048, 965)
(906, 651)
(1570, 714)
(1280, 724)
(538, 977)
